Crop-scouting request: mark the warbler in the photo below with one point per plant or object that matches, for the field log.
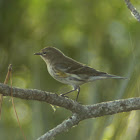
(68, 71)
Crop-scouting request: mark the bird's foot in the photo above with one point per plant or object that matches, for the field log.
(63, 95)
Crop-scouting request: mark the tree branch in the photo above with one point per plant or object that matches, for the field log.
(97, 110)
(80, 112)
(63, 127)
(133, 10)
(51, 98)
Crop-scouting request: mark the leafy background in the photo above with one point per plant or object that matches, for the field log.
(102, 34)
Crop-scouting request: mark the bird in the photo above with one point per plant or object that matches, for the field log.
(69, 71)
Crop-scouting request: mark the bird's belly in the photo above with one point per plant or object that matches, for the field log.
(71, 80)
(65, 78)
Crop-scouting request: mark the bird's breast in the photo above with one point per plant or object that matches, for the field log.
(64, 77)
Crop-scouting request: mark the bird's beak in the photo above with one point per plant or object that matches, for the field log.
(38, 53)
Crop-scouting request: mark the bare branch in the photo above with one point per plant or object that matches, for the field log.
(51, 98)
(133, 10)
(63, 127)
(113, 107)
(80, 112)
(96, 110)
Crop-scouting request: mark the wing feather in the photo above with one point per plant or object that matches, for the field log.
(73, 67)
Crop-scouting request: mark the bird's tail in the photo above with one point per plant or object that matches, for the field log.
(108, 76)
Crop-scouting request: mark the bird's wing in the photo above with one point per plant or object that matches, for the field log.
(70, 66)
(77, 68)
(83, 69)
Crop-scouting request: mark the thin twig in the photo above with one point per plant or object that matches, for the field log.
(133, 10)
(5, 82)
(14, 105)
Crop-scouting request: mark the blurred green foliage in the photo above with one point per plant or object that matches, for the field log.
(102, 34)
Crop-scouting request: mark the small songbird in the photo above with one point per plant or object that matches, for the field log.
(68, 71)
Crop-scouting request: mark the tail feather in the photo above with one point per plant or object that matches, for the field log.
(106, 76)
(112, 76)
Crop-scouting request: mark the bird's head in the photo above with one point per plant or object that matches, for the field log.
(49, 54)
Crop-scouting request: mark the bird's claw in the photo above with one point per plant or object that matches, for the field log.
(64, 95)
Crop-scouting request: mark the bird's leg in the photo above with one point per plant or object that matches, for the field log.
(63, 95)
(78, 89)
(75, 88)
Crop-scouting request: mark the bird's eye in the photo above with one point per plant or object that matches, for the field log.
(44, 53)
